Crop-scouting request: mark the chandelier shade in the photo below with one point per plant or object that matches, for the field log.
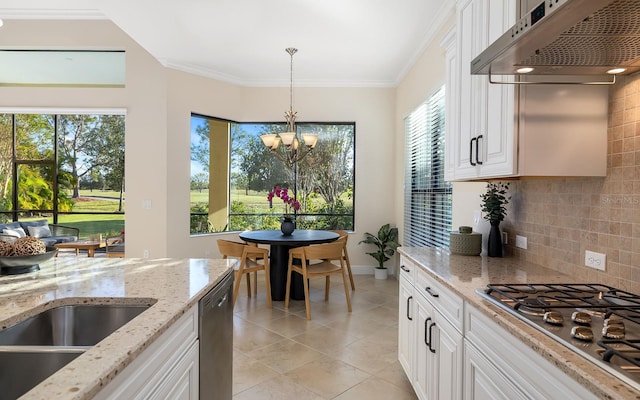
(293, 148)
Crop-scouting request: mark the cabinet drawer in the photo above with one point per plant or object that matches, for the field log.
(449, 304)
(525, 368)
(407, 269)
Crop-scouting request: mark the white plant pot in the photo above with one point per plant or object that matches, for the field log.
(381, 273)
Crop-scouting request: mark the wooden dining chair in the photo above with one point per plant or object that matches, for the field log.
(344, 237)
(326, 254)
(251, 260)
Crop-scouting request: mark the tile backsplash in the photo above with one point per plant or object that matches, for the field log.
(563, 217)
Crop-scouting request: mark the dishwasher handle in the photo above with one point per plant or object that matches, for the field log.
(222, 300)
(218, 296)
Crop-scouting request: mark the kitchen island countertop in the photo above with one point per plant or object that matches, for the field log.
(465, 274)
(171, 286)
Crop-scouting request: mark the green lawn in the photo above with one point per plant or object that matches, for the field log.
(93, 224)
(252, 198)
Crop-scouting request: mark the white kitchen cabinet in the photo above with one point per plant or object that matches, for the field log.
(438, 350)
(499, 366)
(168, 369)
(516, 130)
(430, 346)
(483, 140)
(182, 381)
(483, 381)
(406, 325)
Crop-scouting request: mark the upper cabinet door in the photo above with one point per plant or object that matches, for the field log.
(471, 89)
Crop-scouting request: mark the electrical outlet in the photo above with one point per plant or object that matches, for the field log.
(521, 242)
(595, 260)
(145, 254)
(505, 238)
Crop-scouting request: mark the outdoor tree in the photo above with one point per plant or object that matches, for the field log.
(200, 181)
(90, 143)
(334, 152)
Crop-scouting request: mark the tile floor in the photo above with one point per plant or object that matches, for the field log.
(278, 354)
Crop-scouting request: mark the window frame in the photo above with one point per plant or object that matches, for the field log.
(18, 214)
(294, 187)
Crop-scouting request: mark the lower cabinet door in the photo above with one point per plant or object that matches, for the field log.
(425, 375)
(438, 353)
(406, 324)
(182, 382)
(449, 344)
(483, 381)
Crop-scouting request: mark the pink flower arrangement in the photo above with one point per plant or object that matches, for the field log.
(283, 193)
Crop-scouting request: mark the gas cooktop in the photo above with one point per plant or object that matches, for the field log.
(600, 322)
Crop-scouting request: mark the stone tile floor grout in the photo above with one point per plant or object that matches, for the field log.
(278, 354)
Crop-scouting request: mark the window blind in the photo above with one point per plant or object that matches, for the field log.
(427, 215)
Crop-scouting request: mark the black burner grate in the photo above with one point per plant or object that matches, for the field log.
(582, 295)
(628, 350)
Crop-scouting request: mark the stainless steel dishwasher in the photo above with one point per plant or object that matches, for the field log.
(216, 341)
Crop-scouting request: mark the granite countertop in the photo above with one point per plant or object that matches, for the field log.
(172, 286)
(465, 274)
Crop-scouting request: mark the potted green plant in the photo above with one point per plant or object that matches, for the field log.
(493, 207)
(386, 243)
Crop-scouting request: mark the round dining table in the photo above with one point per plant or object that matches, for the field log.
(279, 256)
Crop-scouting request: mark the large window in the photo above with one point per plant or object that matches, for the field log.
(427, 195)
(67, 168)
(232, 173)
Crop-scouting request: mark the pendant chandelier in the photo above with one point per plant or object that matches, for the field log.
(294, 149)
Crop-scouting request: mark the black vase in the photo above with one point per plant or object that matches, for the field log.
(287, 226)
(494, 243)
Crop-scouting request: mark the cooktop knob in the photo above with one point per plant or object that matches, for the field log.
(580, 317)
(582, 333)
(553, 318)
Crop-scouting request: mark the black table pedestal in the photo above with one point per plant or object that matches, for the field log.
(279, 257)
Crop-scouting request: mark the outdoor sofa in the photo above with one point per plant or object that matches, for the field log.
(50, 234)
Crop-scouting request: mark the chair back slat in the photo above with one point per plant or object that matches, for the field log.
(229, 248)
(327, 251)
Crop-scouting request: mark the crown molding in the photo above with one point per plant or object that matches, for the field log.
(212, 74)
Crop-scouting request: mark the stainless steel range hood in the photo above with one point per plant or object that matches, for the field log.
(568, 37)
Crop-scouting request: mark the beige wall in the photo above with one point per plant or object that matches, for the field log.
(159, 103)
(143, 98)
(371, 109)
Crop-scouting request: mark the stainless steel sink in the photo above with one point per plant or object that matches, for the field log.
(72, 325)
(35, 348)
(24, 369)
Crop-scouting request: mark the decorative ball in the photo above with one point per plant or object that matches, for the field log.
(6, 249)
(29, 245)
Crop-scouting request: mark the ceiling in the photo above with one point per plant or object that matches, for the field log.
(357, 43)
